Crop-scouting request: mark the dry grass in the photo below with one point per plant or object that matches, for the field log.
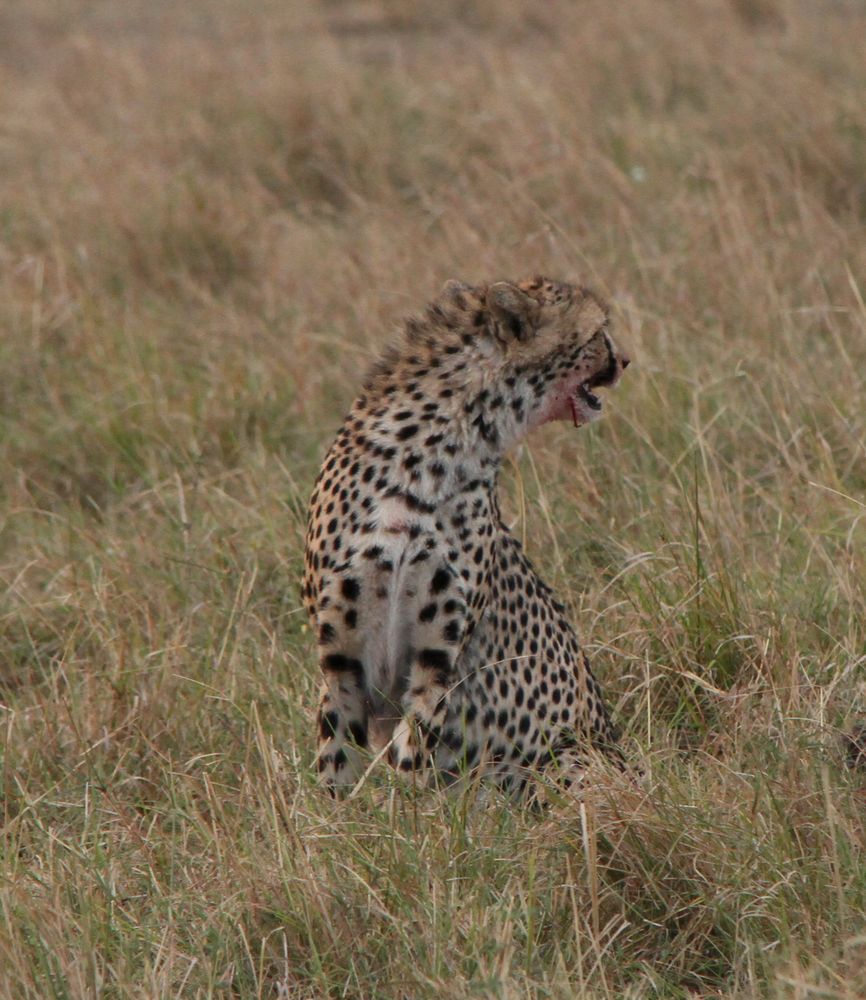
(210, 217)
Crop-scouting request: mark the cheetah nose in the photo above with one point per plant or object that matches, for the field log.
(625, 363)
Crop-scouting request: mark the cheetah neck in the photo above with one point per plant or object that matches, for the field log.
(446, 402)
(438, 437)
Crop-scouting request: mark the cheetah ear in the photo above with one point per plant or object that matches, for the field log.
(513, 309)
(455, 291)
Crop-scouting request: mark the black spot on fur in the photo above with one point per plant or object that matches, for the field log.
(342, 664)
(358, 733)
(434, 659)
(328, 725)
(451, 632)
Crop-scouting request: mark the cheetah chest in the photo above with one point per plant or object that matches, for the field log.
(389, 596)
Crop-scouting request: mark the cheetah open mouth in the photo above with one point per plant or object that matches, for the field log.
(583, 402)
(575, 395)
(589, 397)
(583, 394)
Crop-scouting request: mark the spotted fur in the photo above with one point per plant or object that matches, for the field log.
(435, 635)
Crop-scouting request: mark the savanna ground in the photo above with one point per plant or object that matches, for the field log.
(211, 217)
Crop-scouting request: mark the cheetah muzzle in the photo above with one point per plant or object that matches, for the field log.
(436, 638)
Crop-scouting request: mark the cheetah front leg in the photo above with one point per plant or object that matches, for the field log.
(437, 634)
(341, 722)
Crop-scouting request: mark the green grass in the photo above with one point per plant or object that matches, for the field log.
(211, 218)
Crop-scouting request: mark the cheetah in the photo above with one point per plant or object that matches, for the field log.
(438, 642)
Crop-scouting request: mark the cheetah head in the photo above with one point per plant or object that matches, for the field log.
(555, 336)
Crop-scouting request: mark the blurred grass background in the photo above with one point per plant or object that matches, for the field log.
(212, 215)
